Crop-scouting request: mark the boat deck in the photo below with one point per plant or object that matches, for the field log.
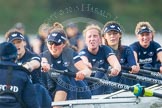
(119, 99)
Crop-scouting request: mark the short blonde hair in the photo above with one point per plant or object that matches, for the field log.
(144, 23)
(92, 26)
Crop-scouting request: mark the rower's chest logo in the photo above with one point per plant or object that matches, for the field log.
(144, 52)
(122, 60)
(58, 62)
(19, 63)
(147, 53)
(101, 61)
(66, 64)
(93, 60)
(98, 61)
(151, 53)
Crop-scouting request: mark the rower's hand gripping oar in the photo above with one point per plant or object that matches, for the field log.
(137, 89)
(147, 72)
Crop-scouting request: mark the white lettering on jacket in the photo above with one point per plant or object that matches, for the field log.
(12, 88)
(144, 61)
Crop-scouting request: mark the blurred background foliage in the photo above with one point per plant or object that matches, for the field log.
(35, 12)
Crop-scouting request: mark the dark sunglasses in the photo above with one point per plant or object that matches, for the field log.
(52, 42)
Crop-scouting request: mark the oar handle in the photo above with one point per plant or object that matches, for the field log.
(142, 78)
(126, 68)
(143, 71)
(72, 74)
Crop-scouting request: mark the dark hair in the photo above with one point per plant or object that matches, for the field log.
(120, 47)
(9, 54)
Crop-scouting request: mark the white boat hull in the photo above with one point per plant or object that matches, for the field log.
(112, 103)
(125, 99)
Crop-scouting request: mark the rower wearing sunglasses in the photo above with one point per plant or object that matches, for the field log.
(61, 57)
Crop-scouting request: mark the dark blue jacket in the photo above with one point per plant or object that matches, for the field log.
(147, 55)
(19, 83)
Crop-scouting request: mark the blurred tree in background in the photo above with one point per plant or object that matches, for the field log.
(35, 12)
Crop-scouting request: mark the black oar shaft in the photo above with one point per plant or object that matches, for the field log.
(109, 83)
(142, 78)
(133, 76)
(142, 71)
(157, 95)
(154, 74)
(102, 81)
(151, 69)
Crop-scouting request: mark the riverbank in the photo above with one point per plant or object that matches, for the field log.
(127, 39)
